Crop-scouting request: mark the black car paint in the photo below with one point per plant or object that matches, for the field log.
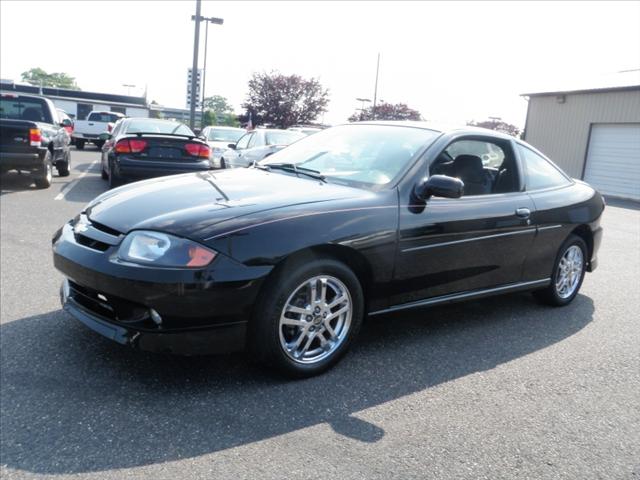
(137, 166)
(15, 149)
(407, 253)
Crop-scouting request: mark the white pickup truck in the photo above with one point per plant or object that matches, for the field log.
(89, 130)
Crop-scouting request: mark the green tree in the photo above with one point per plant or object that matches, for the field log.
(218, 111)
(387, 111)
(285, 100)
(37, 76)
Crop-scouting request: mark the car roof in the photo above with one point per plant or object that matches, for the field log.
(14, 93)
(442, 128)
(223, 127)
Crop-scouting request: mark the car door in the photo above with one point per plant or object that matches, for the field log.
(255, 149)
(479, 241)
(233, 158)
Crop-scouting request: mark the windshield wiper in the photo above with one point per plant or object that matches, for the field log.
(292, 167)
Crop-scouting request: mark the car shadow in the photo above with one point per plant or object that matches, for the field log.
(13, 181)
(73, 402)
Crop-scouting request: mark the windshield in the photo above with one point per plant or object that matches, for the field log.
(368, 155)
(282, 137)
(225, 135)
(144, 125)
(103, 117)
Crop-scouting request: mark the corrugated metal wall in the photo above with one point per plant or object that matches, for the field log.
(561, 130)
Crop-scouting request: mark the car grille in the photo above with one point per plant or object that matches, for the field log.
(110, 307)
(94, 235)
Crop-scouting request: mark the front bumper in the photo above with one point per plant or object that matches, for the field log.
(202, 310)
(219, 339)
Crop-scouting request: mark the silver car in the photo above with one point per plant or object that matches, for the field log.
(219, 138)
(256, 145)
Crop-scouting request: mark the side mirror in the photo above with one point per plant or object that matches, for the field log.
(104, 136)
(439, 186)
(232, 146)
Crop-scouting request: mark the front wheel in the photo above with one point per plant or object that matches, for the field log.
(568, 273)
(63, 166)
(80, 144)
(307, 318)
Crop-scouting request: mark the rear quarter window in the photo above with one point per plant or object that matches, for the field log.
(539, 172)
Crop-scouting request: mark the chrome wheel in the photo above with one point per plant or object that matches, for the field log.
(569, 271)
(315, 319)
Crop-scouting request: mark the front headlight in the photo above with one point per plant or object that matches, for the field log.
(155, 248)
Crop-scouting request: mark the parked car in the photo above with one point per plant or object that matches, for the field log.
(65, 121)
(33, 137)
(142, 148)
(256, 145)
(305, 129)
(286, 258)
(219, 138)
(89, 130)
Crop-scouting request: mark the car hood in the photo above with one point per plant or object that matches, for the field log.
(193, 205)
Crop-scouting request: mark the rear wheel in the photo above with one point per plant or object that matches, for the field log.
(80, 144)
(44, 176)
(568, 273)
(99, 144)
(307, 318)
(114, 178)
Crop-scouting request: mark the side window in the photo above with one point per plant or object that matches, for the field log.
(540, 173)
(116, 130)
(484, 166)
(256, 141)
(244, 141)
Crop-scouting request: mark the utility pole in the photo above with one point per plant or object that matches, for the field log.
(375, 92)
(194, 69)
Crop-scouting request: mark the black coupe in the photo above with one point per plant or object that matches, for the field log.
(140, 148)
(288, 257)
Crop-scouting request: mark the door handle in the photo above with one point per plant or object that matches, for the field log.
(523, 212)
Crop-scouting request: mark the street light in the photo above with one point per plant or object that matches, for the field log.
(199, 18)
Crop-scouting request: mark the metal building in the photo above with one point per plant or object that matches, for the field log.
(594, 135)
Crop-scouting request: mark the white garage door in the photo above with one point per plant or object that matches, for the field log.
(613, 161)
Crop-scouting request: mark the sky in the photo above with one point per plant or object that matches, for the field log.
(454, 62)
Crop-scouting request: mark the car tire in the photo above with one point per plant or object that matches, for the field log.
(114, 178)
(99, 144)
(272, 337)
(63, 166)
(80, 144)
(103, 174)
(44, 175)
(568, 273)
(223, 164)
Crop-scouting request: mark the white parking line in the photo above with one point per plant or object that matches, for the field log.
(67, 188)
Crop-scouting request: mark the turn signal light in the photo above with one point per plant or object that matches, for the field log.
(130, 145)
(35, 137)
(199, 257)
(198, 150)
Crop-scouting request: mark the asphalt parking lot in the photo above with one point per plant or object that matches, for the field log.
(496, 389)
